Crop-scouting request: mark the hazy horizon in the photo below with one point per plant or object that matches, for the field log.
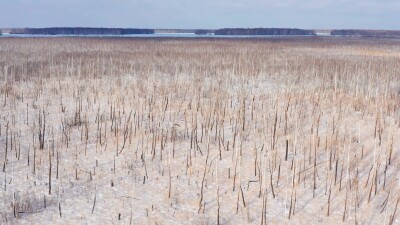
(189, 14)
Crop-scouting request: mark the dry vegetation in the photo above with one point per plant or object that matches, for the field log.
(199, 131)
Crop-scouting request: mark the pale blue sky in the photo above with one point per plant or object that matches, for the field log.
(362, 14)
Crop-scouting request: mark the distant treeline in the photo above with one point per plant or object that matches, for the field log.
(81, 31)
(225, 31)
(374, 33)
(202, 31)
(263, 31)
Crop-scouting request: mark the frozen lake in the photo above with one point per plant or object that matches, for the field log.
(159, 35)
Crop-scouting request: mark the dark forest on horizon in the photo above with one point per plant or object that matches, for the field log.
(224, 31)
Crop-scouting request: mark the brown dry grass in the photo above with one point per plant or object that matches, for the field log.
(302, 130)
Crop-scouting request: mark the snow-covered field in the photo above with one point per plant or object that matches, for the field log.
(202, 131)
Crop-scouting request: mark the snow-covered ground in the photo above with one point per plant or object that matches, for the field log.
(181, 131)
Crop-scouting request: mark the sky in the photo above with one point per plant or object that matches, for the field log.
(196, 14)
